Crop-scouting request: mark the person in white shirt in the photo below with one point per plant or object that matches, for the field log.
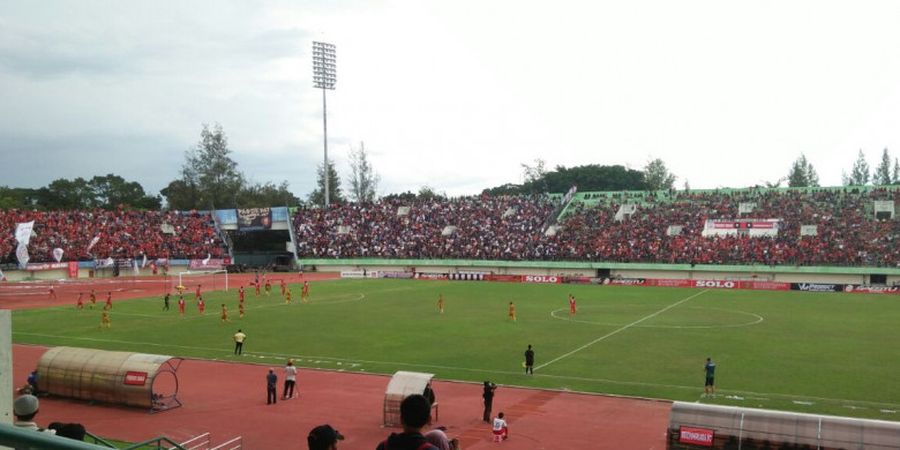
(290, 379)
(25, 407)
(499, 427)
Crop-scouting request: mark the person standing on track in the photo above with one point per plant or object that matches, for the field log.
(239, 339)
(709, 387)
(271, 387)
(488, 396)
(52, 293)
(290, 379)
(529, 360)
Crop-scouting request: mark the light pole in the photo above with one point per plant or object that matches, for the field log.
(324, 77)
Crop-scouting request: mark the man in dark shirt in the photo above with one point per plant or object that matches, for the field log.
(488, 396)
(709, 388)
(529, 360)
(271, 387)
(415, 413)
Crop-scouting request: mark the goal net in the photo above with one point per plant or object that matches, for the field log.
(209, 280)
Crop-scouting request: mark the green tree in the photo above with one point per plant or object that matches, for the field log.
(802, 174)
(882, 175)
(657, 176)
(591, 177)
(859, 175)
(317, 197)
(209, 177)
(266, 195)
(896, 172)
(68, 194)
(428, 193)
(112, 191)
(363, 179)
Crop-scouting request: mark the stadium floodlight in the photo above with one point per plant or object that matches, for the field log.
(324, 78)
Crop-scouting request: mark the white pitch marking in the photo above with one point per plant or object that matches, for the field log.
(617, 331)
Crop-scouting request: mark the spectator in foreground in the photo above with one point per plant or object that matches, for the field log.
(323, 437)
(415, 413)
(25, 407)
(438, 438)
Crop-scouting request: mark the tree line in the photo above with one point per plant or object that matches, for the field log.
(210, 179)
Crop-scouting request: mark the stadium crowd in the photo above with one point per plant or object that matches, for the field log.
(504, 228)
(122, 234)
(512, 228)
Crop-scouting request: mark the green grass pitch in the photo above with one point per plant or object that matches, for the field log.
(808, 352)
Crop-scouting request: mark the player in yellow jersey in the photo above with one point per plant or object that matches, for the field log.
(105, 322)
(441, 303)
(287, 297)
(224, 313)
(512, 311)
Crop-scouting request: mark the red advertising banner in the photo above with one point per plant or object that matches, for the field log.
(552, 279)
(48, 266)
(507, 278)
(764, 285)
(746, 225)
(135, 378)
(208, 264)
(665, 282)
(696, 436)
(872, 289)
(73, 269)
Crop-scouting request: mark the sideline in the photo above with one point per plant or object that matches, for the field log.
(617, 331)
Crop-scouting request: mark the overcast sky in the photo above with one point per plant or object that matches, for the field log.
(450, 94)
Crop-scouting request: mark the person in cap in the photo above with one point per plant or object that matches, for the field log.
(271, 387)
(415, 413)
(290, 379)
(323, 437)
(25, 407)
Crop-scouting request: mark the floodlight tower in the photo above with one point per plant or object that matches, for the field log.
(324, 77)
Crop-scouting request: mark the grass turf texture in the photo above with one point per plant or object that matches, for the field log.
(809, 352)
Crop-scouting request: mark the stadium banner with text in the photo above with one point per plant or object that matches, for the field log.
(398, 275)
(36, 267)
(467, 276)
(506, 278)
(696, 436)
(580, 280)
(715, 284)
(866, 289)
(746, 227)
(817, 287)
(626, 281)
(764, 285)
(669, 282)
(208, 263)
(431, 276)
(549, 279)
(254, 219)
(361, 274)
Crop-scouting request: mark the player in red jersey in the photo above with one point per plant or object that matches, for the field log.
(283, 287)
(108, 304)
(93, 298)
(304, 295)
(257, 287)
(571, 305)
(241, 294)
(181, 304)
(201, 306)
(79, 304)
(197, 294)
(268, 287)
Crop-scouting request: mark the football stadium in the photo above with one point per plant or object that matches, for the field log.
(474, 241)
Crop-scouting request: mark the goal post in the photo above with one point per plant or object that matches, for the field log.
(211, 280)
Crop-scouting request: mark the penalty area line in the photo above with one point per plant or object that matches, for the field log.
(619, 330)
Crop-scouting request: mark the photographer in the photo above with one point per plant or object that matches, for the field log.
(488, 396)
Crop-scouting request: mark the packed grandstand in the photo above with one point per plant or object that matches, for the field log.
(824, 226)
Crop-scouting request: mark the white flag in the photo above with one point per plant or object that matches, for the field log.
(23, 235)
(206, 261)
(144, 262)
(58, 254)
(93, 243)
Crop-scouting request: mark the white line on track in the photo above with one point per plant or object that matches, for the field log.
(227, 350)
(619, 330)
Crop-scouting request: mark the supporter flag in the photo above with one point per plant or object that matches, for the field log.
(93, 243)
(206, 260)
(2, 277)
(144, 261)
(57, 254)
(23, 236)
